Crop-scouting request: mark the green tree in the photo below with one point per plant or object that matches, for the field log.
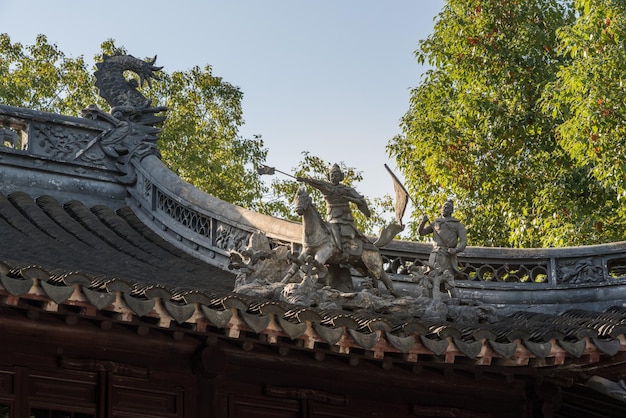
(588, 98)
(200, 140)
(41, 77)
(476, 129)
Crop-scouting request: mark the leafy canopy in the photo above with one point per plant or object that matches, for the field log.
(493, 122)
(41, 77)
(588, 97)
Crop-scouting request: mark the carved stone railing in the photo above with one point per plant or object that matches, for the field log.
(57, 137)
(197, 222)
(591, 264)
(57, 155)
(586, 277)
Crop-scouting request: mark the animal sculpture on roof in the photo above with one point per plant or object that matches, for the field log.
(134, 123)
(122, 93)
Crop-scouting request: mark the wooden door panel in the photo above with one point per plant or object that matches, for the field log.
(60, 389)
(144, 401)
(7, 382)
(248, 407)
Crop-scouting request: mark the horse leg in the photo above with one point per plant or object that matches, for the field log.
(388, 283)
(296, 262)
(374, 264)
(321, 257)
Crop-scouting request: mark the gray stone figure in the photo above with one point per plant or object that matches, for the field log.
(449, 239)
(321, 253)
(338, 212)
(134, 123)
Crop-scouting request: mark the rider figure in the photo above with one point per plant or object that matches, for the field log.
(338, 213)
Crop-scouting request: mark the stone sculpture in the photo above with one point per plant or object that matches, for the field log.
(321, 250)
(319, 276)
(449, 239)
(437, 275)
(121, 94)
(338, 212)
(133, 121)
(259, 266)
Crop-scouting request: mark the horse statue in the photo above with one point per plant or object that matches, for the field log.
(321, 251)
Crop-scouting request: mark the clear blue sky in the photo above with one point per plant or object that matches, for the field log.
(331, 77)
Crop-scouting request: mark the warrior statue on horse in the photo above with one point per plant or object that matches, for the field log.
(336, 241)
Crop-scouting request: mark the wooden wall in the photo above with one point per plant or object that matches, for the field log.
(75, 367)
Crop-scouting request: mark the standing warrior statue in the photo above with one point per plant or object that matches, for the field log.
(338, 213)
(449, 238)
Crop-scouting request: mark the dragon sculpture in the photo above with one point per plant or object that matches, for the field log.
(134, 122)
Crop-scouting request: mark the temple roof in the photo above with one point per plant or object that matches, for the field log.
(108, 261)
(84, 234)
(98, 243)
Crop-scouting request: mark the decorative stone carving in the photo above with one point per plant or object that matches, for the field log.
(122, 94)
(449, 239)
(320, 248)
(229, 238)
(320, 275)
(61, 143)
(588, 270)
(9, 138)
(258, 263)
(133, 121)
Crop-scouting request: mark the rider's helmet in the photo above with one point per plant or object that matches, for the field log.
(335, 169)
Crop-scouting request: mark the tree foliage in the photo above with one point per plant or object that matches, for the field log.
(200, 139)
(588, 98)
(41, 77)
(487, 125)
